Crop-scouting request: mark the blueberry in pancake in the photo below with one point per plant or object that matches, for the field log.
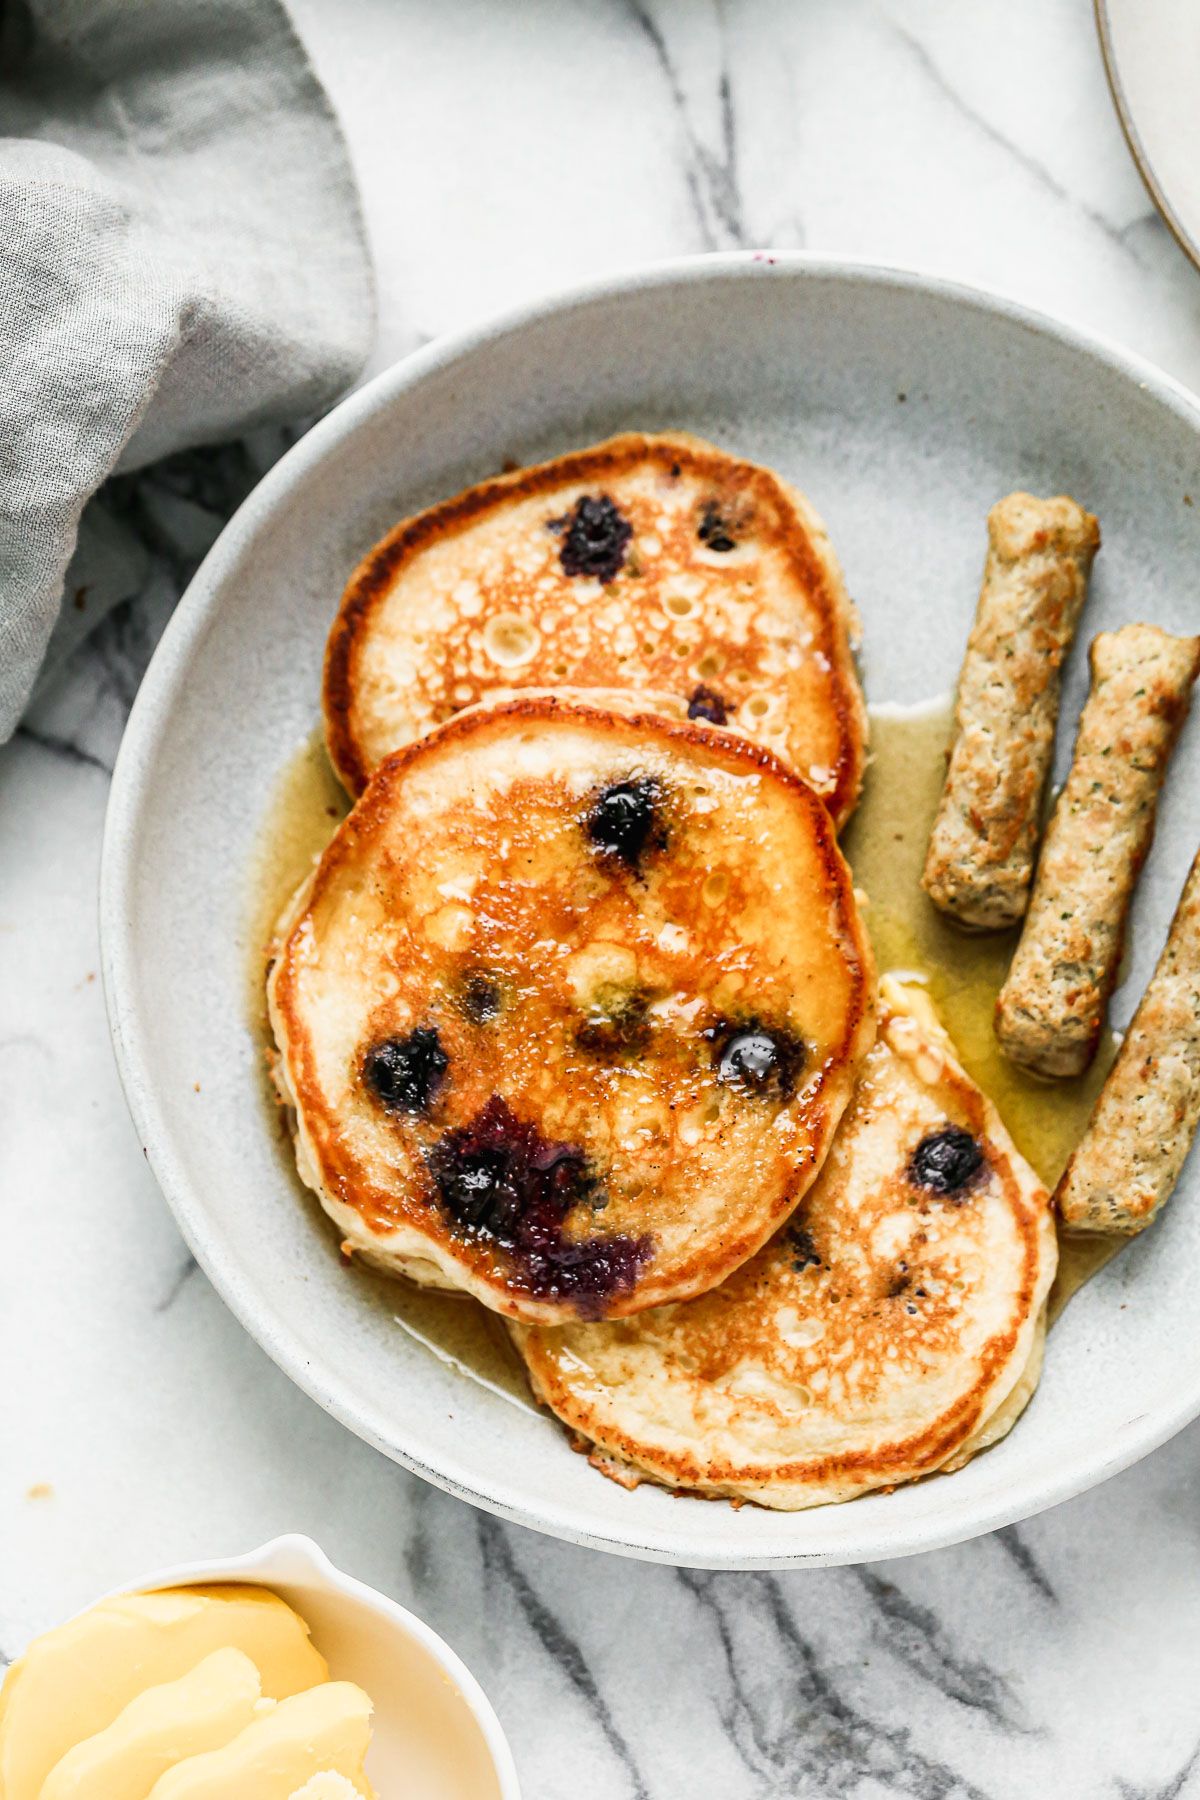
(570, 1009)
(657, 565)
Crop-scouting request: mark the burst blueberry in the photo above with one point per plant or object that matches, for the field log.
(706, 703)
(946, 1161)
(755, 1059)
(714, 532)
(624, 820)
(596, 535)
(805, 1254)
(405, 1073)
(480, 998)
(498, 1179)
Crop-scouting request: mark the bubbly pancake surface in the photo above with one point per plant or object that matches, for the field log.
(571, 1008)
(648, 563)
(891, 1328)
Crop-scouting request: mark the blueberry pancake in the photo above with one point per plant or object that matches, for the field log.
(644, 563)
(570, 1009)
(893, 1327)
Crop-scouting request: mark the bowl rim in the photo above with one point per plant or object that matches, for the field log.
(293, 1557)
(133, 774)
(1168, 212)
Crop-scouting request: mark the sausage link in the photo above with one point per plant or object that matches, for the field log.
(1051, 1008)
(981, 849)
(1129, 1158)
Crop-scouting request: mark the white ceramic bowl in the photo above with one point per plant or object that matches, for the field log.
(435, 1733)
(904, 406)
(1152, 55)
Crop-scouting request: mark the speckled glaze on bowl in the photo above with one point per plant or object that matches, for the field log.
(904, 406)
(434, 1731)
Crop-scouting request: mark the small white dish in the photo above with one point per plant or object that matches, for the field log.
(904, 406)
(435, 1732)
(1152, 55)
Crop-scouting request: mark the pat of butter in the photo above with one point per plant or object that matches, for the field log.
(327, 1728)
(201, 1711)
(73, 1682)
(327, 1786)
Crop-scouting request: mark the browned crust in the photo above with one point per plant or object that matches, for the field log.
(906, 1459)
(1125, 1166)
(1051, 1009)
(339, 1172)
(374, 576)
(981, 848)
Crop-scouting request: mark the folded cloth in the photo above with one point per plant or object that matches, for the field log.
(182, 258)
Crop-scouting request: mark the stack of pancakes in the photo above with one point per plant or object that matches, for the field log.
(577, 1013)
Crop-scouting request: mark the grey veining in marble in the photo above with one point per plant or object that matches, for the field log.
(505, 149)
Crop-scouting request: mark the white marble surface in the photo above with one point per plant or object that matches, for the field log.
(505, 146)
